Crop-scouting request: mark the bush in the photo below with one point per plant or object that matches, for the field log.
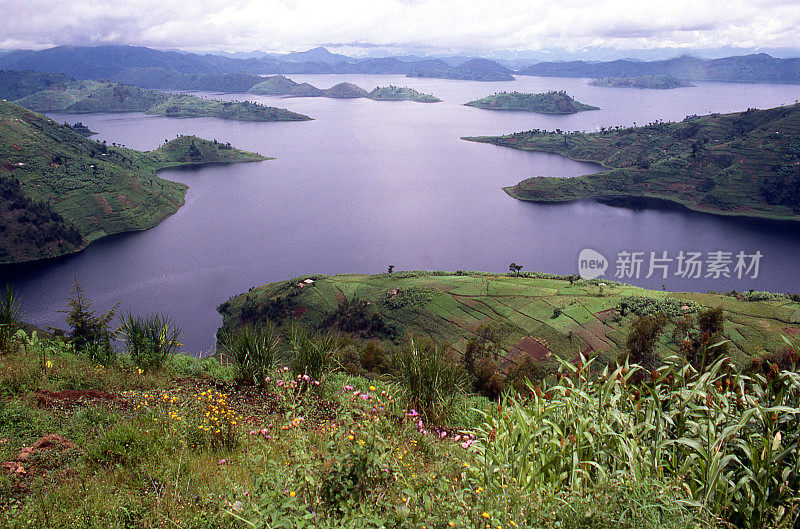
(431, 376)
(150, 341)
(90, 333)
(644, 306)
(311, 354)
(252, 350)
(9, 318)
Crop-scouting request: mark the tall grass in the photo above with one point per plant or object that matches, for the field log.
(730, 440)
(151, 340)
(311, 354)
(252, 350)
(431, 376)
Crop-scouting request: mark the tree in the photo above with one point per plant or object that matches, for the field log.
(514, 268)
(89, 333)
(391, 268)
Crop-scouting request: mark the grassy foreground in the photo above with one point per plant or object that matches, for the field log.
(62, 191)
(141, 437)
(743, 164)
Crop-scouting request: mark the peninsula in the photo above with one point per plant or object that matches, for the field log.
(61, 191)
(743, 163)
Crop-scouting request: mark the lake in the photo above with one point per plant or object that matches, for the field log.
(370, 184)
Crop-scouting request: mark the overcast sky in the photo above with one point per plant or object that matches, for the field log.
(452, 26)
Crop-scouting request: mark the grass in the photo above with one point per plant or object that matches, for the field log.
(546, 103)
(741, 164)
(63, 191)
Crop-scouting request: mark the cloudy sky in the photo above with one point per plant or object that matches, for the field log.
(445, 25)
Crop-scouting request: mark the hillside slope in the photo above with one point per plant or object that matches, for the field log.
(61, 191)
(744, 163)
(540, 315)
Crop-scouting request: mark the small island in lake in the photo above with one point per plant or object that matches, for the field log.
(546, 103)
(655, 82)
(81, 129)
(280, 85)
(60, 191)
(89, 97)
(741, 164)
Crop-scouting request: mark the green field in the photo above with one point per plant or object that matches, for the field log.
(565, 318)
(61, 191)
(545, 103)
(743, 164)
(82, 97)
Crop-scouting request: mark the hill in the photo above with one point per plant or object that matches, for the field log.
(15, 84)
(162, 78)
(657, 82)
(470, 70)
(95, 96)
(546, 103)
(395, 93)
(544, 316)
(744, 163)
(756, 68)
(280, 85)
(61, 191)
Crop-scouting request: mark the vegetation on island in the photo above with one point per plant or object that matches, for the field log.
(61, 191)
(656, 82)
(100, 96)
(546, 103)
(280, 85)
(81, 129)
(286, 426)
(743, 163)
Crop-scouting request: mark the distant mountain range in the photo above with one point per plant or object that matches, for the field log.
(116, 63)
(757, 68)
(152, 68)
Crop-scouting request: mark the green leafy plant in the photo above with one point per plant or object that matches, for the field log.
(90, 334)
(311, 354)
(150, 341)
(252, 349)
(431, 376)
(9, 318)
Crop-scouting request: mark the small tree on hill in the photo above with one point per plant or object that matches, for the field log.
(90, 333)
(514, 268)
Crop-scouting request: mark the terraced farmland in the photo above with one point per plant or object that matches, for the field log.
(540, 316)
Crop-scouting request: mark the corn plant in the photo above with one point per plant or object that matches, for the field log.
(728, 439)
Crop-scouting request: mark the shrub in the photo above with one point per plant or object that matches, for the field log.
(431, 376)
(150, 341)
(252, 350)
(642, 339)
(9, 318)
(311, 354)
(644, 306)
(90, 333)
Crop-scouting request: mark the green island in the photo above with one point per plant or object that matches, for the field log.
(743, 163)
(82, 97)
(280, 85)
(546, 103)
(565, 404)
(81, 129)
(61, 191)
(655, 82)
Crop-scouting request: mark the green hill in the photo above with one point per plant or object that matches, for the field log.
(20, 83)
(102, 96)
(61, 191)
(545, 103)
(744, 163)
(656, 82)
(396, 93)
(280, 85)
(544, 316)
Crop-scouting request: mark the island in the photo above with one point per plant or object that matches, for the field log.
(81, 129)
(59, 191)
(743, 163)
(539, 315)
(545, 103)
(83, 97)
(654, 82)
(280, 85)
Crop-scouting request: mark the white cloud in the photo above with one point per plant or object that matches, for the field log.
(272, 25)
